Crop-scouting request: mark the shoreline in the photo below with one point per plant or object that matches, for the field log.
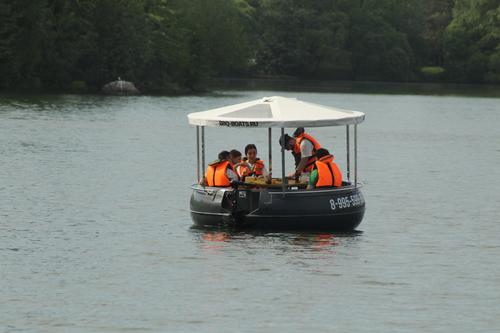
(214, 85)
(359, 87)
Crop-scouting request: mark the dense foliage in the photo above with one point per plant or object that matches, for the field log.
(174, 45)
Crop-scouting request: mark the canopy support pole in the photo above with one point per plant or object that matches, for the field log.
(283, 178)
(356, 155)
(348, 150)
(203, 151)
(198, 153)
(270, 148)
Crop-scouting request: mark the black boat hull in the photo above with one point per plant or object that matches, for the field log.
(329, 209)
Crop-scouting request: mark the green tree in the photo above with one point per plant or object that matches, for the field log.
(472, 41)
(217, 39)
(380, 52)
(23, 32)
(303, 38)
(7, 40)
(437, 15)
(68, 52)
(173, 45)
(169, 62)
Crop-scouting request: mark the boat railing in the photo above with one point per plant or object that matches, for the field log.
(291, 189)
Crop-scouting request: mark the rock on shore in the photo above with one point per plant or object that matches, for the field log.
(120, 87)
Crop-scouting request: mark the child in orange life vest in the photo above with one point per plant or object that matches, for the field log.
(251, 165)
(235, 157)
(220, 172)
(325, 172)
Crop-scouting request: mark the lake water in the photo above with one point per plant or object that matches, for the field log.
(95, 231)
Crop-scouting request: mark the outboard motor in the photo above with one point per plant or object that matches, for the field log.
(231, 200)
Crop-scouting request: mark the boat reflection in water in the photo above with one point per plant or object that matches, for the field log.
(214, 240)
(217, 241)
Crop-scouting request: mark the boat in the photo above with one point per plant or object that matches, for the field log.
(283, 204)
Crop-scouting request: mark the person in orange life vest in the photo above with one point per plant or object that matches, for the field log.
(235, 158)
(220, 172)
(303, 147)
(325, 172)
(251, 165)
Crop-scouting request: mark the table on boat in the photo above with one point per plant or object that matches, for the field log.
(276, 183)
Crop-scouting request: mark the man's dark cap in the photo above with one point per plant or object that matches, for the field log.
(284, 139)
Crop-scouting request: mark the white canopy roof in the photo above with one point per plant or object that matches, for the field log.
(276, 111)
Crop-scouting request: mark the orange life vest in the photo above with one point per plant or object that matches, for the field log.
(328, 172)
(256, 170)
(298, 156)
(216, 174)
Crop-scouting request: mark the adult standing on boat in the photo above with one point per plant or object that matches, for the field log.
(303, 147)
(220, 172)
